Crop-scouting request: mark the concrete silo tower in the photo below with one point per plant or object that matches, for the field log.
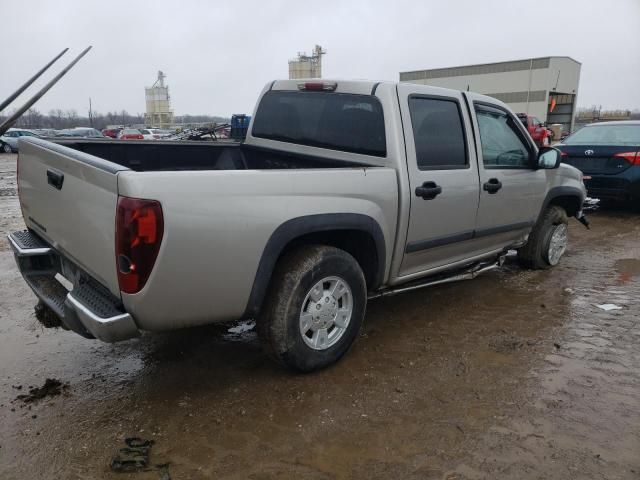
(307, 66)
(159, 113)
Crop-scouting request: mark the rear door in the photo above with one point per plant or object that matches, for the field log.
(512, 190)
(69, 198)
(443, 177)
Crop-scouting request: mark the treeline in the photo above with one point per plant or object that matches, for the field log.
(58, 119)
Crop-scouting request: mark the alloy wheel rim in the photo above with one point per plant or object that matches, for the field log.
(326, 313)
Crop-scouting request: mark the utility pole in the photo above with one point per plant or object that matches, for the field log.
(90, 114)
(529, 87)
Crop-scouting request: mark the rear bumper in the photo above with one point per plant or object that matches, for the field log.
(88, 309)
(622, 186)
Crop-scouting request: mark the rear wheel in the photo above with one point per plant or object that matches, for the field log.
(547, 241)
(314, 308)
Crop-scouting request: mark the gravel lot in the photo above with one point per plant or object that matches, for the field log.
(516, 375)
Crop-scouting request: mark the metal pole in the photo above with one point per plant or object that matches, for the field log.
(11, 120)
(11, 98)
(529, 87)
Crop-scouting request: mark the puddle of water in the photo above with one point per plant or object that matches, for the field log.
(243, 331)
(628, 269)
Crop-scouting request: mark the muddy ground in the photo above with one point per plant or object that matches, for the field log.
(516, 374)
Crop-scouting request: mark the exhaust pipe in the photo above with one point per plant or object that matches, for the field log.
(15, 94)
(11, 120)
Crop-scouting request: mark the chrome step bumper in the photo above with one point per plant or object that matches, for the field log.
(89, 309)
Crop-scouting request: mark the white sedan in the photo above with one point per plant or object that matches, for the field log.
(151, 133)
(9, 141)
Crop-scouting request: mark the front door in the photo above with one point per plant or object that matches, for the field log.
(511, 187)
(443, 177)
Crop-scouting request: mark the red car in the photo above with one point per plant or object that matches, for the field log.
(111, 132)
(540, 134)
(130, 134)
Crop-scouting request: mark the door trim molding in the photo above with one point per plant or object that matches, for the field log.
(485, 232)
(438, 241)
(426, 244)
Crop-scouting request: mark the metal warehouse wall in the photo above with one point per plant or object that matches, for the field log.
(511, 82)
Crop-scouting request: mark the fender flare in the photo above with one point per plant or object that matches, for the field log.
(562, 191)
(299, 226)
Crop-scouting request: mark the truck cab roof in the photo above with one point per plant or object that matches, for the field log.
(366, 87)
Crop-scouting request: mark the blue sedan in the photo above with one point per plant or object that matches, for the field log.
(608, 154)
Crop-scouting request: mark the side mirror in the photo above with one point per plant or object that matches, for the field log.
(549, 157)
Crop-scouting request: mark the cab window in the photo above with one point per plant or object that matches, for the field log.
(501, 140)
(438, 133)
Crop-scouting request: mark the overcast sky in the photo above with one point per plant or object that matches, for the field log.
(218, 55)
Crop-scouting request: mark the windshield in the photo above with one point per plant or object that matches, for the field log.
(606, 135)
(350, 123)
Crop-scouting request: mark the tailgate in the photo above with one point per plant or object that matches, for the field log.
(69, 198)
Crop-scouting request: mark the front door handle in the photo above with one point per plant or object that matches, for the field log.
(428, 190)
(492, 186)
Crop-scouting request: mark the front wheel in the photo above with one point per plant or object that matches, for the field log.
(547, 241)
(6, 148)
(314, 308)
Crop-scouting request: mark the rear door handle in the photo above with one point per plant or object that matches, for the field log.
(428, 190)
(55, 179)
(492, 185)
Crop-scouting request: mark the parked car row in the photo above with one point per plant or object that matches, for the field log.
(9, 141)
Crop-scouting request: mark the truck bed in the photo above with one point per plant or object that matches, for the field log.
(159, 155)
(221, 203)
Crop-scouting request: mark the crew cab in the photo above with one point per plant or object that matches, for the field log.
(342, 191)
(540, 134)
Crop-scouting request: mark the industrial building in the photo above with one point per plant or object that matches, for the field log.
(159, 113)
(307, 66)
(545, 87)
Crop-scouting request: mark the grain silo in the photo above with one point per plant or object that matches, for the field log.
(307, 66)
(159, 113)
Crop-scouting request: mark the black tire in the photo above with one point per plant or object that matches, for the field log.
(6, 148)
(296, 273)
(535, 254)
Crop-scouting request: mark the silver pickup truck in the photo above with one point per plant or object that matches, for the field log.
(342, 191)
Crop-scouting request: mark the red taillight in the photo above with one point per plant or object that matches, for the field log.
(632, 157)
(318, 86)
(139, 229)
(564, 154)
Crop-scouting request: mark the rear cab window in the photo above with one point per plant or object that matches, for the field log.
(336, 121)
(438, 133)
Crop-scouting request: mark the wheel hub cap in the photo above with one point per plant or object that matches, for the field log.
(326, 313)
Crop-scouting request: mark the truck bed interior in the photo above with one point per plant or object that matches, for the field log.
(145, 156)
